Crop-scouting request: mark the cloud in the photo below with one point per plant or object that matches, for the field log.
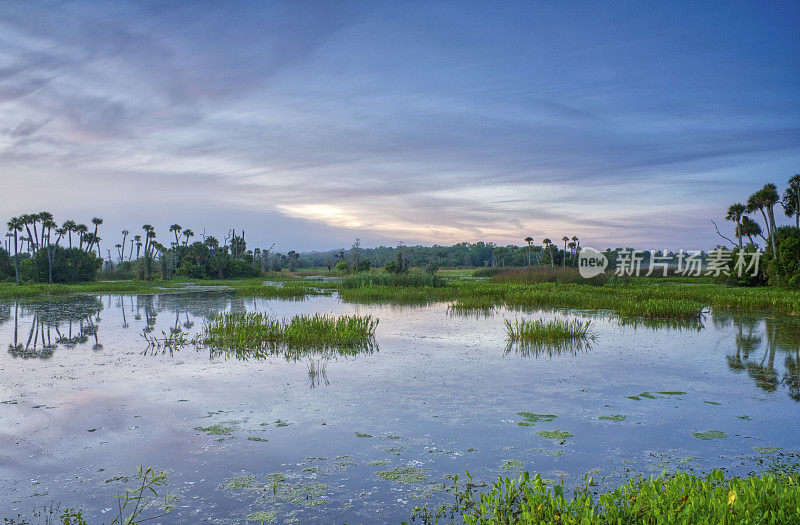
(424, 123)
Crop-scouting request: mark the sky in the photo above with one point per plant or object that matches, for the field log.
(310, 124)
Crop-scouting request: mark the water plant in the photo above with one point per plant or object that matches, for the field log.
(252, 334)
(710, 434)
(679, 498)
(530, 418)
(407, 474)
(552, 331)
(616, 418)
(554, 434)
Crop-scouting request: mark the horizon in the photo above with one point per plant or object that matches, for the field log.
(311, 125)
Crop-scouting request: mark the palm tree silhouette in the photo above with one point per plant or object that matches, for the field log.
(564, 260)
(548, 245)
(15, 226)
(176, 229)
(735, 214)
(529, 240)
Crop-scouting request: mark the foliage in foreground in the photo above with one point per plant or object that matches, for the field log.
(678, 499)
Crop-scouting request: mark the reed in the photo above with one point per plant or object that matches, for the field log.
(260, 331)
(414, 279)
(552, 331)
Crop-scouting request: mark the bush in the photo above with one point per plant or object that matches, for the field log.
(70, 265)
(784, 270)
(6, 266)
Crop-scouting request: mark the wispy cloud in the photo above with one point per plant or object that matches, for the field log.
(433, 122)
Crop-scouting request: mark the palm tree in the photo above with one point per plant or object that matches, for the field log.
(97, 221)
(576, 248)
(15, 226)
(564, 260)
(548, 245)
(49, 224)
(750, 228)
(81, 230)
(138, 239)
(176, 228)
(122, 252)
(26, 220)
(791, 199)
(735, 214)
(69, 227)
(187, 233)
(529, 240)
(764, 200)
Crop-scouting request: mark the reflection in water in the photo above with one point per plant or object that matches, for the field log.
(52, 324)
(760, 342)
(550, 349)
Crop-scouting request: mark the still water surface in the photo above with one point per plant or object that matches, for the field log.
(84, 402)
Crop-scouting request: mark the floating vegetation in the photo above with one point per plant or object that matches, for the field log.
(263, 517)
(512, 464)
(257, 334)
(379, 463)
(392, 436)
(363, 435)
(712, 403)
(710, 434)
(767, 450)
(403, 475)
(744, 418)
(651, 395)
(616, 418)
(530, 418)
(554, 434)
(240, 482)
(280, 423)
(217, 430)
(255, 438)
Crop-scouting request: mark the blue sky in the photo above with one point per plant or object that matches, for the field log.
(311, 123)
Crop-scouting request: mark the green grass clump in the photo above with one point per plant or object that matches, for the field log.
(678, 499)
(260, 331)
(413, 279)
(554, 331)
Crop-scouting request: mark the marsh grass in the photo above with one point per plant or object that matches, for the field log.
(415, 279)
(257, 334)
(552, 331)
(547, 274)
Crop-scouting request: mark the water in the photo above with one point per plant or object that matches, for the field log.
(85, 402)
